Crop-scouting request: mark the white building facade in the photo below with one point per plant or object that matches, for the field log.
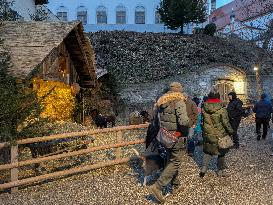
(28, 8)
(24, 8)
(128, 15)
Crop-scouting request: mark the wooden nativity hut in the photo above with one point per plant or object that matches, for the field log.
(54, 51)
(50, 52)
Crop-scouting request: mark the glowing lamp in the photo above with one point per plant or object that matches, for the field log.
(239, 87)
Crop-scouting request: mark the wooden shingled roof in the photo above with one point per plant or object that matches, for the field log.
(31, 42)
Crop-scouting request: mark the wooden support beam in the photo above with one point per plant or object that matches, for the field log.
(14, 171)
(83, 53)
(119, 140)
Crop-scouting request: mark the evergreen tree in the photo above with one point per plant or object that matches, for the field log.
(40, 15)
(6, 13)
(17, 100)
(176, 13)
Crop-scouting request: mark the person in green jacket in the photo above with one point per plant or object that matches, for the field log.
(173, 113)
(215, 126)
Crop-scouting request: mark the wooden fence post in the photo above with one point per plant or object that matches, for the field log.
(119, 140)
(14, 171)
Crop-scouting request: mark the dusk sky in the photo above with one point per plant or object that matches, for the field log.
(222, 2)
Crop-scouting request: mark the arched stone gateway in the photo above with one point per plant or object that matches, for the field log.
(225, 78)
(200, 82)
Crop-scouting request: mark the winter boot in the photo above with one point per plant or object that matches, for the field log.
(202, 174)
(222, 173)
(176, 189)
(258, 137)
(203, 171)
(157, 192)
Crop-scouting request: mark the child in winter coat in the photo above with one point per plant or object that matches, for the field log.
(198, 128)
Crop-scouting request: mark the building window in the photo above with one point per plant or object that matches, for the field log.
(121, 15)
(101, 15)
(140, 15)
(214, 19)
(82, 15)
(232, 18)
(157, 17)
(62, 13)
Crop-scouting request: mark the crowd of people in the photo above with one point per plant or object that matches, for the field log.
(180, 123)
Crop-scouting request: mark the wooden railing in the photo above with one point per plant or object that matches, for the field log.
(15, 164)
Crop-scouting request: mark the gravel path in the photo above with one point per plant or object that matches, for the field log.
(250, 182)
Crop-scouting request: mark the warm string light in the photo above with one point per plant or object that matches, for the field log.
(57, 99)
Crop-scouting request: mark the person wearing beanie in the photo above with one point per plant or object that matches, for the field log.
(263, 110)
(215, 126)
(235, 114)
(172, 115)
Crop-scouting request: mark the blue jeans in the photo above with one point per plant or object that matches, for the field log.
(191, 144)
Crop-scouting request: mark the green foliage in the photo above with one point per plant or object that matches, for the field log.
(176, 13)
(6, 13)
(18, 102)
(40, 15)
(210, 29)
(109, 86)
(198, 30)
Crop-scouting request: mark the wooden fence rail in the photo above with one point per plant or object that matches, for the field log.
(14, 165)
(75, 134)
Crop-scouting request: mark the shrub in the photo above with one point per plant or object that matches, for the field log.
(210, 29)
(198, 30)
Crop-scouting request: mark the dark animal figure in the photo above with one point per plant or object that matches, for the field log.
(102, 121)
(146, 117)
(155, 159)
(137, 117)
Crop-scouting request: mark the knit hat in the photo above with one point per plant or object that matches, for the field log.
(213, 95)
(263, 96)
(233, 95)
(176, 87)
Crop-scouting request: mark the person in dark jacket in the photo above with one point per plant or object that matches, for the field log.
(263, 110)
(196, 100)
(235, 113)
(215, 126)
(193, 115)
